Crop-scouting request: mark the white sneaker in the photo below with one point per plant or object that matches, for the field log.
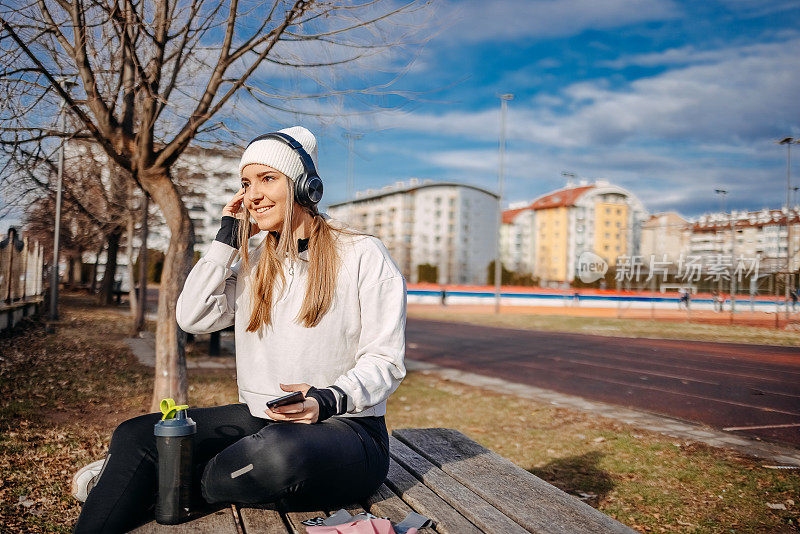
(85, 479)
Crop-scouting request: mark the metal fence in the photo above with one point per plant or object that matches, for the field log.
(21, 270)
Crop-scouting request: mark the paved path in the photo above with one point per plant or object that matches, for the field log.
(724, 385)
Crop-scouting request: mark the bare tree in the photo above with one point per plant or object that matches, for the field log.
(95, 191)
(152, 74)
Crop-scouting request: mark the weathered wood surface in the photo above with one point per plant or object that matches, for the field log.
(264, 518)
(222, 521)
(386, 503)
(522, 496)
(447, 520)
(439, 473)
(295, 520)
(474, 508)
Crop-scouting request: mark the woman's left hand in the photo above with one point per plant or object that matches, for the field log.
(299, 412)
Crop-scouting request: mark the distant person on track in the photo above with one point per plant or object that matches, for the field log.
(716, 300)
(794, 296)
(683, 301)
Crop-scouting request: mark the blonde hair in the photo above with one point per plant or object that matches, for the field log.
(323, 266)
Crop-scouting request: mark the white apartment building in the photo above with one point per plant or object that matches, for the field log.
(665, 234)
(448, 225)
(759, 234)
(207, 178)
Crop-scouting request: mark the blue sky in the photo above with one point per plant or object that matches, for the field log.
(670, 100)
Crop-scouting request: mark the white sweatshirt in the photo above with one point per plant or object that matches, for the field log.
(358, 345)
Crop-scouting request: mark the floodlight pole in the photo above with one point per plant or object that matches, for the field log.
(788, 141)
(498, 264)
(351, 138)
(53, 315)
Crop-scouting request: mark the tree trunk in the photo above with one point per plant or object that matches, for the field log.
(170, 379)
(106, 297)
(131, 230)
(141, 308)
(93, 287)
(70, 272)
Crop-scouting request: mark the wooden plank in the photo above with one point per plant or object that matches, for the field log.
(295, 519)
(478, 511)
(221, 521)
(447, 520)
(527, 499)
(386, 503)
(262, 519)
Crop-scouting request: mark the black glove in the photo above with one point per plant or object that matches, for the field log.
(229, 231)
(327, 402)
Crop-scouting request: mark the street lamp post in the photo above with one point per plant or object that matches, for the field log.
(724, 194)
(498, 265)
(351, 138)
(53, 312)
(788, 141)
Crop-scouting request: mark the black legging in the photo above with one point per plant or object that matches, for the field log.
(338, 461)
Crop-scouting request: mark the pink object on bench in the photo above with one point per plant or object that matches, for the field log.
(365, 526)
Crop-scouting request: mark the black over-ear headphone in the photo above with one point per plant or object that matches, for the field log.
(308, 187)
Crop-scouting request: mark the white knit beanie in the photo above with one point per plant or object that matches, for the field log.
(279, 155)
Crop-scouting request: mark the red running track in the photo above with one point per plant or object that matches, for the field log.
(719, 384)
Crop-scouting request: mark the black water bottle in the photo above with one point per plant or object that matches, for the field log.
(175, 444)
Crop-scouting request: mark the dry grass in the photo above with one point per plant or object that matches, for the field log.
(61, 396)
(646, 480)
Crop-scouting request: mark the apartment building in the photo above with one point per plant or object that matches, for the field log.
(448, 225)
(665, 234)
(547, 237)
(758, 234)
(517, 246)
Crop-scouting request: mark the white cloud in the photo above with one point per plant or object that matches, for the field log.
(747, 94)
(691, 55)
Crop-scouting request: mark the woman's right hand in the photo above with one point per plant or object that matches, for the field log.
(234, 209)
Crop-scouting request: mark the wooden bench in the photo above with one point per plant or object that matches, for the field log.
(440, 473)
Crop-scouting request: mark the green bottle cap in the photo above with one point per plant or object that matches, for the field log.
(169, 409)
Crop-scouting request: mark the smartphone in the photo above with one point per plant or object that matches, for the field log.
(291, 398)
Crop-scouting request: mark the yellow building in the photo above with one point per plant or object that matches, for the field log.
(601, 218)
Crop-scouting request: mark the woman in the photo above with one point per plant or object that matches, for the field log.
(316, 309)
